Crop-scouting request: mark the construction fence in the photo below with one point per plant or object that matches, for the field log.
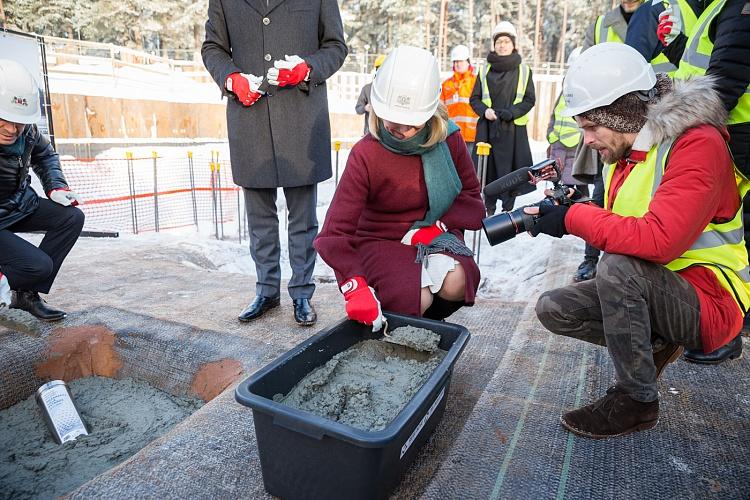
(152, 194)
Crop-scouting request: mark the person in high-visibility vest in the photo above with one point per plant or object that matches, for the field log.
(456, 91)
(718, 46)
(563, 136)
(610, 27)
(675, 270)
(503, 95)
(363, 106)
(642, 30)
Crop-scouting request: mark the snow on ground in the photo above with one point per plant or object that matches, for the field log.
(512, 270)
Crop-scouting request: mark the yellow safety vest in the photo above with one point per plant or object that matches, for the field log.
(524, 77)
(564, 129)
(697, 56)
(660, 63)
(721, 246)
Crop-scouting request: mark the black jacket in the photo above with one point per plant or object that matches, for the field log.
(17, 198)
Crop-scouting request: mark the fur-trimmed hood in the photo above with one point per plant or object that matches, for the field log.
(690, 103)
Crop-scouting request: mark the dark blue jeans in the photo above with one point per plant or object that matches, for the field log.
(33, 269)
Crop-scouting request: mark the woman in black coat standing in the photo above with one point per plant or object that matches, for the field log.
(503, 96)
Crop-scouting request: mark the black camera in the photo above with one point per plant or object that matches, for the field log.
(507, 225)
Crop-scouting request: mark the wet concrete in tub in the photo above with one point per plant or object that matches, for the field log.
(367, 385)
(123, 416)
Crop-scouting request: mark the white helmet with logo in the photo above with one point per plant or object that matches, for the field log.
(504, 27)
(604, 73)
(460, 53)
(19, 94)
(406, 88)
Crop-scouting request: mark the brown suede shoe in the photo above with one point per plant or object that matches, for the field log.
(668, 354)
(616, 414)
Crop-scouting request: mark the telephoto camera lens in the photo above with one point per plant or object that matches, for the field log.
(507, 225)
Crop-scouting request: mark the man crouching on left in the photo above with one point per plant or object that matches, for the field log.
(25, 270)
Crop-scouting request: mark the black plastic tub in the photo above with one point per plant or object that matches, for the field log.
(306, 456)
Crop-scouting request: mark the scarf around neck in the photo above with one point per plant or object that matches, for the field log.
(15, 149)
(441, 178)
(501, 64)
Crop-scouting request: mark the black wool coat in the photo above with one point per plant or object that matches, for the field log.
(284, 139)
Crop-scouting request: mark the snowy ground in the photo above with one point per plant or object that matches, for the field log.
(512, 270)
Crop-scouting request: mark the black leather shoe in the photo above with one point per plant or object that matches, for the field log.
(732, 350)
(33, 304)
(304, 312)
(586, 270)
(258, 306)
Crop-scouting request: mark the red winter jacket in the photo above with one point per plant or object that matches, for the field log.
(697, 188)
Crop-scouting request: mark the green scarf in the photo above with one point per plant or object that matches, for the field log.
(443, 184)
(15, 149)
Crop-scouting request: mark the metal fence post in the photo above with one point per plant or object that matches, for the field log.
(131, 186)
(192, 188)
(337, 147)
(213, 196)
(219, 194)
(156, 194)
(483, 151)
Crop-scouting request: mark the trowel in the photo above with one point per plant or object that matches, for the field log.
(425, 343)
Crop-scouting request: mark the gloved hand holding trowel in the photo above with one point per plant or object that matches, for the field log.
(246, 87)
(290, 72)
(361, 303)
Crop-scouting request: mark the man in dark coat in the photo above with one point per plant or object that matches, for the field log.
(25, 270)
(272, 58)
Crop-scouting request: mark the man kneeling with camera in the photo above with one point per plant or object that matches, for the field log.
(675, 271)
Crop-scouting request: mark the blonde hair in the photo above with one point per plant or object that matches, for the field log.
(438, 126)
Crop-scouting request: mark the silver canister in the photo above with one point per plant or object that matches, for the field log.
(59, 412)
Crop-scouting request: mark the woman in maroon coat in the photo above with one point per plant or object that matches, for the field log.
(394, 230)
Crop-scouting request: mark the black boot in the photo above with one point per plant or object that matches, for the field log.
(731, 350)
(304, 312)
(258, 306)
(441, 308)
(33, 304)
(586, 270)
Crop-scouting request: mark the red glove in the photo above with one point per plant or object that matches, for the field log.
(424, 235)
(288, 73)
(361, 303)
(670, 25)
(245, 86)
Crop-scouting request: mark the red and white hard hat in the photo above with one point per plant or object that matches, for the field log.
(406, 88)
(19, 94)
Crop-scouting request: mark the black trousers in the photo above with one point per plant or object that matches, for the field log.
(33, 269)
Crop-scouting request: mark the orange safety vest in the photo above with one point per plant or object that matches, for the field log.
(455, 94)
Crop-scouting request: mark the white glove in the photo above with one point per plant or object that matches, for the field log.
(4, 291)
(65, 197)
(289, 72)
(670, 25)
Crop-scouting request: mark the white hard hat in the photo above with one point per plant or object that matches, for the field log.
(604, 73)
(574, 55)
(406, 88)
(504, 27)
(460, 53)
(19, 94)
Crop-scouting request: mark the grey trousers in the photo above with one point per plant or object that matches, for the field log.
(630, 305)
(265, 246)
